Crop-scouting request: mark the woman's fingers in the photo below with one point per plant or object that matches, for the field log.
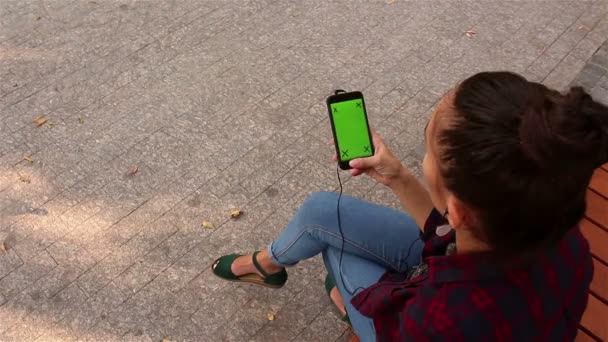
(365, 163)
(376, 139)
(356, 172)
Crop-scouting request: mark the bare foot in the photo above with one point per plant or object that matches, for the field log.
(336, 297)
(244, 264)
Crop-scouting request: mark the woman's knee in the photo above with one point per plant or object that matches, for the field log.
(322, 197)
(319, 207)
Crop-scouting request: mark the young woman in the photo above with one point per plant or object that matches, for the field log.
(498, 256)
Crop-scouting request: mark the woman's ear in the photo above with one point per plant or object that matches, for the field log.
(459, 215)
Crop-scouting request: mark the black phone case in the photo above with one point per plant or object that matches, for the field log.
(340, 98)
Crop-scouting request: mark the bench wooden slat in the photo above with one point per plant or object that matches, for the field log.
(597, 208)
(594, 318)
(599, 182)
(599, 284)
(583, 337)
(597, 237)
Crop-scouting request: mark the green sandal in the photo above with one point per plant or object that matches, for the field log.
(330, 283)
(221, 268)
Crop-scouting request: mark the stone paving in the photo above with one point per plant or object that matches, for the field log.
(163, 114)
(594, 76)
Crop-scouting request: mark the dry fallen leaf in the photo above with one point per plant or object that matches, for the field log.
(207, 225)
(270, 316)
(25, 179)
(80, 119)
(470, 33)
(235, 213)
(133, 170)
(28, 159)
(39, 121)
(167, 340)
(3, 247)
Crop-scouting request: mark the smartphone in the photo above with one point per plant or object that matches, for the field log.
(350, 127)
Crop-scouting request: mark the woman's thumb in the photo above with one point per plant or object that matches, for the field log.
(363, 163)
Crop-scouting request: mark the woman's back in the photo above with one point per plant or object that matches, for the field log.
(475, 297)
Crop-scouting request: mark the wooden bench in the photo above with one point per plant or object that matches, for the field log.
(594, 325)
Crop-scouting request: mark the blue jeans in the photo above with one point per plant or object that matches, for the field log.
(376, 239)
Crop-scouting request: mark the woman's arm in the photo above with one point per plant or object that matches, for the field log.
(414, 198)
(386, 168)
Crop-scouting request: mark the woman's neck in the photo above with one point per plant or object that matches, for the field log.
(466, 243)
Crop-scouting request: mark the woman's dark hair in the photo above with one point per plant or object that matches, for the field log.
(522, 155)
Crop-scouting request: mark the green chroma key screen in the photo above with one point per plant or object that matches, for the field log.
(351, 128)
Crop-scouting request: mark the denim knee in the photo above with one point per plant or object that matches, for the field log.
(321, 197)
(319, 208)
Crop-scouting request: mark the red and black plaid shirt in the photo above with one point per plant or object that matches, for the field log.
(468, 298)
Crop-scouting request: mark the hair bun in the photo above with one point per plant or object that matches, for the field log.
(596, 114)
(577, 97)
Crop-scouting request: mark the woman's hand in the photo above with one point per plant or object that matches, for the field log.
(383, 166)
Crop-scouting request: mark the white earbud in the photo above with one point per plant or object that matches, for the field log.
(443, 230)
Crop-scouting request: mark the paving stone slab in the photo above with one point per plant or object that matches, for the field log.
(593, 75)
